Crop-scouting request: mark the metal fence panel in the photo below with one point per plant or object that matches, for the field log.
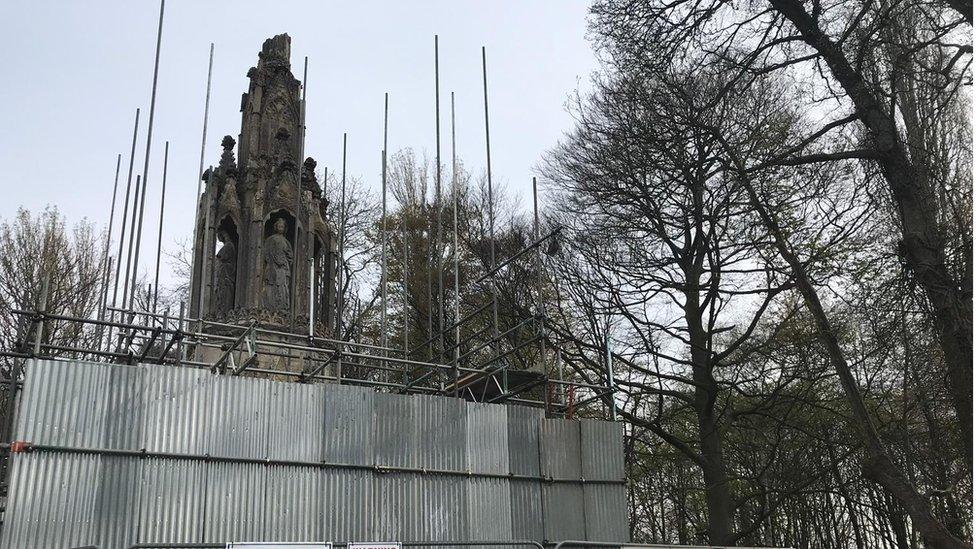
(606, 512)
(64, 403)
(563, 511)
(444, 508)
(523, 439)
(489, 508)
(293, 504)
(116, 500)
(177, 406)
(602, 446)
(440, 430)
(295, 413)
(347, 430)
(396, 506)
(55, 506)
(487, 436)
(395, 430)
(238, 424)
(171, 503)
(561, 449)
(347, 504)
(527, 510)
(235, 502)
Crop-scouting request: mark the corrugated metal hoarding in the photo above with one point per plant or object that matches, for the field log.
(156, 454)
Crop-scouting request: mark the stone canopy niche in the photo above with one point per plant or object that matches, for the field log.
(264, 246)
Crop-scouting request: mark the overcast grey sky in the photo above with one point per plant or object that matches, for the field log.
(74, 73)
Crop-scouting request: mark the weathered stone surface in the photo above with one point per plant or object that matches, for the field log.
(266, 206)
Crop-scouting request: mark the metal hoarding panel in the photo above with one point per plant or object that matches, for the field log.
(489, 509)
(51, 503)
(440, 428)
(348, 425)
(171, 502)
(396, 506)
(444, 509)
(295, 421)
(606, 512)
(524, 424)
(63, 403)
(562, 507)
(177, 406)
(117, 501)
(235, 503)
(294, 504)
(602, 447)
(395, 430)
(561, 449)
(527, 510)
(125, 407)
(347, 510)
(487, 438)
(238, 425)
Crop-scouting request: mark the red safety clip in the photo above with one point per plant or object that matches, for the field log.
(20, 446)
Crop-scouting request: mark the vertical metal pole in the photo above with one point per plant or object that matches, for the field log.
(159, 240)
(383, 279)
(43, 310)
(132, 239)
(135, 260)
(342, 259)
(404, 216)
(125, 215)
(439, 262)
(491, 219)
(540, 308)
(298, 199)
(457, 254)
(179, 335)
(611, 385)
(152, 114)
(203, 148)
(108, 241)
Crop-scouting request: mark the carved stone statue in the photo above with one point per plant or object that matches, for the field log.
(225, 274)
(275, 295)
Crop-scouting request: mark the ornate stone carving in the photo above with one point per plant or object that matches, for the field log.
(225, 274)
(278, 259)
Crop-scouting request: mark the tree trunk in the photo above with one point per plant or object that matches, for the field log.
(877, 465)
(923, 245)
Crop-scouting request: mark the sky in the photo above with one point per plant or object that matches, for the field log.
(75, 72)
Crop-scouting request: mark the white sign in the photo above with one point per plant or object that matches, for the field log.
(274, 545)
(375, 545)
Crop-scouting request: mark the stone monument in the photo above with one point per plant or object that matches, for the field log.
(264, 251)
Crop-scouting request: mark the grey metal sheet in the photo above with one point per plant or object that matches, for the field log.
(606, 512)
(487, 436)
(125, 407)
(444, 509)
(524, 424)
(295, 421)
(171, 502)
(396, 505)
(63, 403)
(293, 504)
(177, 409)
(562, 508)
(561, 449)
(395, 430)
(235, 503)
(440, 428)
(238, 425)
(116, 500)
(347, 509)
(53, 505)
(526, 510)
(348, 425)
(489, 509)
(602, 447)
